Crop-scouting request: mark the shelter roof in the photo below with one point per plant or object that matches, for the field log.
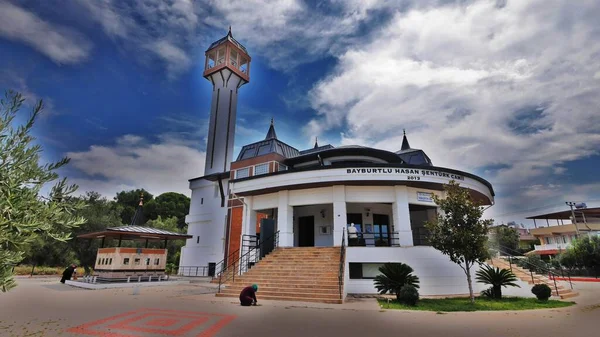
(135, 232)
(228, 37)
(563, 229)
(566, 215)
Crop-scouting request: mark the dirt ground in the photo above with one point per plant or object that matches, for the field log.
(45, 307)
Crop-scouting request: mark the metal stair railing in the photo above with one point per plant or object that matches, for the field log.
(342, 260)
(246, 260)
(508, 251)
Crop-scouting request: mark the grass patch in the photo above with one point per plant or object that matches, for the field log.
(39, 270)
(481, 304)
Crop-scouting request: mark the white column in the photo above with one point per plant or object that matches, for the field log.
(339, 214)
(285, 220)
(249, 217)
(401, 215)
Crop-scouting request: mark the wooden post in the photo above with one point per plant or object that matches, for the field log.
(120, 240)
(534, 223)
(102, 245)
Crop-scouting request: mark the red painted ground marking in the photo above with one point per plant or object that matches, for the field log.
(126, 325)
(162, 322)
(133, 316)
(576, 279)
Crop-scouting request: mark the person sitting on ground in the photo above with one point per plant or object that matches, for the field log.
(68, 273)
(248, 296)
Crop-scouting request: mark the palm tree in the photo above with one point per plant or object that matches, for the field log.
(393, 277)
(497, 277)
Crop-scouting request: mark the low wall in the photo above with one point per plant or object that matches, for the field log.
(437, 274)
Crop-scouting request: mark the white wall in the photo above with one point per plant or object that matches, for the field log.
(321, 240)
(206, 221)
(437, 274)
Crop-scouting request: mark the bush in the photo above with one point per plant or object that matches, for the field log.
(542, 291)
(408, 295)
(489, 292)
(393, 277)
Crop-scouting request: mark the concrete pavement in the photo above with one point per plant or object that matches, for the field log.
(45, 307)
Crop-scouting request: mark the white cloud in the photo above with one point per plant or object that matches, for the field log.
(474, 85)
(134, 162)
(61, 44)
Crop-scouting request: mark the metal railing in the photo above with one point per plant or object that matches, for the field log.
(531, 267)
(373, 240)
(193, 271)
(342, 263)
(247, 260)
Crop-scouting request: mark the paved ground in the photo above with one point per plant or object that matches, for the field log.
(45, 307)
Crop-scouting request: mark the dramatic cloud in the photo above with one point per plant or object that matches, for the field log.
(166, 30)
(133, 163)
(63, 45)
(508, 84)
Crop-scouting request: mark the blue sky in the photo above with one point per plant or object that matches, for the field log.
(504, 89)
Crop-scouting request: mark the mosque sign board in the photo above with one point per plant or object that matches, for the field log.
(425, 196)
(411, 173)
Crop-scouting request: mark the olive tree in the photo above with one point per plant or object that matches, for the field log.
(25, 214)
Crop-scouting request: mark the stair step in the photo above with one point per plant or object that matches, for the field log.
(293, 299)
(569, 295)
(260, 293)
(262, 289)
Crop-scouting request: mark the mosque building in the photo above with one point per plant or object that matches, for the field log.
(342, 211)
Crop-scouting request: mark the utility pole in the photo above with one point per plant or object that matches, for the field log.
(569, 203)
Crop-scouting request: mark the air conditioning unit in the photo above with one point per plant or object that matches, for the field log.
(580, 205)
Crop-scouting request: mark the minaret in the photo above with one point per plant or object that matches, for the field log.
(227, 66)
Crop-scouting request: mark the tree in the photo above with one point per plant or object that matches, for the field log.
(393, 277)
(497, 278)
(459, 231)
(129, 201)
(166, 205)
(584, 252)
(26, 215)
(504, 239)
(173, 246)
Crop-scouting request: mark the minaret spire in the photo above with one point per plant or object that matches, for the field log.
(229, 31)
(316, 142)
(405, 145)
(271, 133)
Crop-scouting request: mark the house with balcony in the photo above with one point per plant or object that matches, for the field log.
(556, 238)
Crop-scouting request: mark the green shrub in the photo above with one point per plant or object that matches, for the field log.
(408, 295)
(496, 277)
(393, 277)
(489, 292)
(542, 291)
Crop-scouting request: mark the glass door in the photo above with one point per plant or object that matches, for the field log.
(381, 229)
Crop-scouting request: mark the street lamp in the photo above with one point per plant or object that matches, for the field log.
(569, 203)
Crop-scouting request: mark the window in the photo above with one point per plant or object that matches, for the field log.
(110, 261)
(99, 260)
(233, 56)
(147, 261)
(364, 270)
(201, 201)
(282, 167)
(261, 169)
(248, 153)
(244, 65)
(264, 149)
(564, 239)
(242, 173)
(156, 262)
(126, 261)
(198, 239)
(137, 261)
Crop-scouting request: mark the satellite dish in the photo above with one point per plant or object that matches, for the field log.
(580, 205)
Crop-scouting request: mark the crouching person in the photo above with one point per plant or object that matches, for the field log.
(248, 296)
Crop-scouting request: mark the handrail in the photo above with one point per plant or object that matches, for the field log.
(391, 239)
(223, 263)
(252, 255)
(342, 259)
(545, 270)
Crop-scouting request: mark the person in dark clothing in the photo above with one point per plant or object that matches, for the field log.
(248, 296)
(68, 273)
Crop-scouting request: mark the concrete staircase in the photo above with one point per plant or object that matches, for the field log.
(525, 275)
(304, 274)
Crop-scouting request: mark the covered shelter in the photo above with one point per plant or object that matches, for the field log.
(118, 263)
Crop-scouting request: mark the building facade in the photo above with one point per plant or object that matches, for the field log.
(314, 196)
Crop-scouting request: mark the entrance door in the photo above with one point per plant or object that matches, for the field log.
(381, 229)
(306, 231)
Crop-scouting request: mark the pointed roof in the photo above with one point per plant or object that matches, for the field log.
(271, 133)
(228, 37)
(138, 217)
(316, 142)
(405, 145)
